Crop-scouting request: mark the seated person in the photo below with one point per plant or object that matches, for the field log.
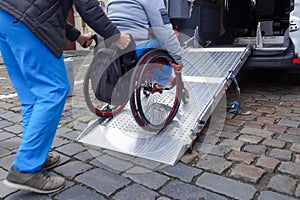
(148, 23)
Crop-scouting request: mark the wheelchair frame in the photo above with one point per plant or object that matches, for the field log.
(135, 90)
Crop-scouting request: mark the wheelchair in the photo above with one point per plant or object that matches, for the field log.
(153, 106)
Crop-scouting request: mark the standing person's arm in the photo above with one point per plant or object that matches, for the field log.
(162, 28)
(94, 16)
(73, 34)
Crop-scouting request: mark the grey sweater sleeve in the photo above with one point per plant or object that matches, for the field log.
(162, 28)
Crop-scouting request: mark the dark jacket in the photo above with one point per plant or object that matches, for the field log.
(47, 19)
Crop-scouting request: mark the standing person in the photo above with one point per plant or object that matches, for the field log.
(148, 23)
(32, 38)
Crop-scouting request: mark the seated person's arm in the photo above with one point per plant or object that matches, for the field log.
(162, 28)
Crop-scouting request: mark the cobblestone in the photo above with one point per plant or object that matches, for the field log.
(253, 125)
(295, 147)
(57, 142)
(266, 120)
(5, 162)
(281, 154)
(188, 158)
(27, 196)
(226, 186)
(267, 195)
(275, 128)
(4, 124)
(289, 138)
(72, 169)
(251, 139)
(294, 131)
(233, 144)
(136, 192)
(297, 193)
(247, 172)
(255, 157)
(220, 151)
(297, 159)
(163, 198)
(241, 157)
(70, 149)
(6, 135)
(147, 163)
(267, 163)
(151, 180)
(213, 163)
(283, 184)
(256, 149)
(102, 181)
(16, 128)
(114, 164)
(183, 191)
(229, 134)
(289, 123)
(81, 193)
(5, 191)
(85, 156)
(181, 171)
(257, 132)
(4, 152)
(274, 143)
(235, 122)
(290, 168)
(2, 174)
(12, 143)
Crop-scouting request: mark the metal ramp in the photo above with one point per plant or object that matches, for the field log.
(207, 73)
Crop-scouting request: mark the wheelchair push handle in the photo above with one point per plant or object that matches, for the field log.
(93, 37)
(85, 44)
(98, 39)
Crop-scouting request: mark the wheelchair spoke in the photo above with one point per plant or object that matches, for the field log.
(157, 93)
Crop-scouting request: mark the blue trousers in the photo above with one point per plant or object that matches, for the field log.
(161, 75)
(41, 82)
(140, 49)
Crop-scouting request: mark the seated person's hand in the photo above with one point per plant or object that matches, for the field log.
(123, 41)
(177, 67)
(85, 40)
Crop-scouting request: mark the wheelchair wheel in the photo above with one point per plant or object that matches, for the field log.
(99, 108)
(154, 105)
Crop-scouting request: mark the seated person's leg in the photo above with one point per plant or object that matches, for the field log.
(140, 49)
(161, 75)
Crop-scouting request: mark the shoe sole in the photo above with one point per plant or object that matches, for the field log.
(25, 187)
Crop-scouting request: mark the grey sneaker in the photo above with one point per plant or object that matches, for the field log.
(39, 182)
(51, 161)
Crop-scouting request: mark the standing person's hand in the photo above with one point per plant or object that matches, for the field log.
(123, 41)
(85, 40)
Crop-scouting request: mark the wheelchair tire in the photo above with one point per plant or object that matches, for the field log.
(101, 109)
(152, 107)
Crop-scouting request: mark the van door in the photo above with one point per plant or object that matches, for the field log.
(294, 26)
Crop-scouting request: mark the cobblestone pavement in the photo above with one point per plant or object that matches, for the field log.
(256, 157)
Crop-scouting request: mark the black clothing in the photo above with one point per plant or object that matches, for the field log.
(47, 19)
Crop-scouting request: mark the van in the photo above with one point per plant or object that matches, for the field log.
(269, 27)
